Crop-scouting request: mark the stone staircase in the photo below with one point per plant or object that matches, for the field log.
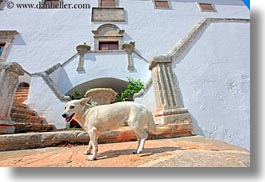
(27, 120)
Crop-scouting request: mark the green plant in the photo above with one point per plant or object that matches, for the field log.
(128, 44)
(77, 95)
(133, 87)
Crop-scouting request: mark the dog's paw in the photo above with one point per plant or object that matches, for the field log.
(135, 152)
(91, 158)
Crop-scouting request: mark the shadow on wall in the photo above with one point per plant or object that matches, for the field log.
(90, 57)
(64, 82)
(178, 91)
(196, 128)
(116, 84)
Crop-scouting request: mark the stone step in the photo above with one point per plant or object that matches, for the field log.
(27, 119)
(20, 105)
(23, 88)
(20, 99)
(18, 110)
(29, 127)
(22, 92)
(21, 95)
(18, 102)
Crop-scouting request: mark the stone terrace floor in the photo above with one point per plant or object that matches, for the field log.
(195, 151)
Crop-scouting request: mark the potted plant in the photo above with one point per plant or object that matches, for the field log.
(128, 46)
(83, 48)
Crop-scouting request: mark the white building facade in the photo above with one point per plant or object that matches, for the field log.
(206, 45)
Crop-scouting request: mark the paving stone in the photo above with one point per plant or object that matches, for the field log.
(157, 153)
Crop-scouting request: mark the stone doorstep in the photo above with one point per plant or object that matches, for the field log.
(48, 139)
(31, 127)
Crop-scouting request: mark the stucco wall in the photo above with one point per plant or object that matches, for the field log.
(42, 99)
(107, 65)
(213, 74)
(214, 78)
(50, 36)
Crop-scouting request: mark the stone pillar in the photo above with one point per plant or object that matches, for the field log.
(82, 50)
(9, 78)
(130, 61)
(129, 49)
(170, 108)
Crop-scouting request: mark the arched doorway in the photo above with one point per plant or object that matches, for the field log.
(116, 84)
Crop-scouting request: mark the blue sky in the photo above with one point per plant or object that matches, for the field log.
(247, 2)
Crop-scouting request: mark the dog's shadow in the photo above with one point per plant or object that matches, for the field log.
(147, 152)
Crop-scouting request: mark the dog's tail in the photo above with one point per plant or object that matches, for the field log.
(153, 128)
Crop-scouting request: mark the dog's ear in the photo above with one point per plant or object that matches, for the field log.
(85, 100)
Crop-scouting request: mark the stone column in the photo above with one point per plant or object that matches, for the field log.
(130, 61)
(129, 49)
(9, 73)
(82, 50)
(170, 108)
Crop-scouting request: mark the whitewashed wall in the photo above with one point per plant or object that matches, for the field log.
(42, 99)
(213, 76)
(50, 36)
(108, 65)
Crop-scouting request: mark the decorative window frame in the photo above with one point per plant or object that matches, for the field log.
(6, 37)
(116, 4)
(212, 4)
(100, 37)
(169, 5)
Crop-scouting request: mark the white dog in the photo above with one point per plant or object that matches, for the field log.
(99, 119)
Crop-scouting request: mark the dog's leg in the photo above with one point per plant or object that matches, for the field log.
(139, 141)
(94, 142)
(89, 148)
(143, 136)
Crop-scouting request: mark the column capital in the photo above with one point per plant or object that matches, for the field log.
(159, 59)
(12, 67)
(82, 49)
(9, 75)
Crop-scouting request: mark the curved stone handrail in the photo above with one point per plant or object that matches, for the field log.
(52, 86)
(174, 53)
(184, 43)
(181, 46)
(142, 92)
(45, 76)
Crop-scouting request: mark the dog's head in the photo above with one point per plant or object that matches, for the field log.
(72, 107)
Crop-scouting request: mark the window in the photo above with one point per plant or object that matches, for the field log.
(6, 38)
(51, 4)
(109, 45)
(206, 7)
(161, 4)
(108, 3)
(108, 37)
(2, 46)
